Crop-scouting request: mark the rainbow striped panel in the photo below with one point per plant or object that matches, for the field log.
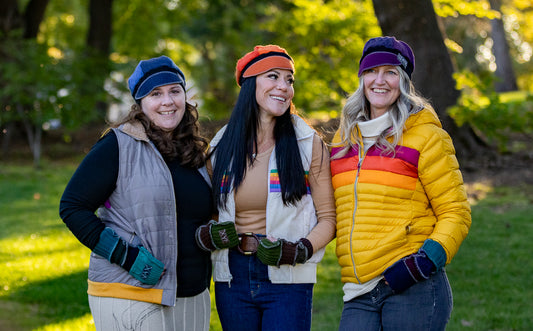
(275, 185)
(400, 171)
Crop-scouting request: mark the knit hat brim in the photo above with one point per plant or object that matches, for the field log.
(261, 60)
(269, 63)
(377, 59)
(156, 80)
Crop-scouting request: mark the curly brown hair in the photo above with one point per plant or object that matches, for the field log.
(185, 143)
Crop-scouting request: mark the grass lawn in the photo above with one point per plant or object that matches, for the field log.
(43, 268)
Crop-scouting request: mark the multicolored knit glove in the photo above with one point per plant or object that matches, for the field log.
(409, 271)
(146, 268)
(282, 251)
(215, 235)
(139, 263)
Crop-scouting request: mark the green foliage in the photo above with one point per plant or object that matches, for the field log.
(467, 26)
(31, 96)
(206, 38)
(455, 8)
(65, 25)
(519, 20)
(326, 40)
(141, 28)
(220, 33)
(41, 83)
(497, 116)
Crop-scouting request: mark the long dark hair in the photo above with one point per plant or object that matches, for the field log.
(185, 143)
(234, 152)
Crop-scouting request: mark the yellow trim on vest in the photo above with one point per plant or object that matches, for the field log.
(123, 291)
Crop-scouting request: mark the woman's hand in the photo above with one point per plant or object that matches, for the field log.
(281, 251)
(409, 271)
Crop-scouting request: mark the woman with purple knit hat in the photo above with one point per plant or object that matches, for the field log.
(402, 210)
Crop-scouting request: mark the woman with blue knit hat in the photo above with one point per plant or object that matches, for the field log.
(136, 201)
(272, 185)
(402, 210)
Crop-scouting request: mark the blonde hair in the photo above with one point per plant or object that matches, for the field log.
(357, 109)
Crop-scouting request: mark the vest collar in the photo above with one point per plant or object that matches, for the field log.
(135, 129)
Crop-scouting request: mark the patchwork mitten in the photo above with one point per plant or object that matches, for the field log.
(408, 271)
(282, 251)
(139, 263)
(215, 235)
(146, 268)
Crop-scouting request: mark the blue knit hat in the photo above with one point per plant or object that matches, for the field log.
(382, 51)
(153, 73)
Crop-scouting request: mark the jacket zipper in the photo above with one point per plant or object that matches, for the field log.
(359, 163)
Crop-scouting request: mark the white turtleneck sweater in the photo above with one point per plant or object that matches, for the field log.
(370, 130)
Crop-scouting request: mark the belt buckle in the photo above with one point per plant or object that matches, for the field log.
(244, 241)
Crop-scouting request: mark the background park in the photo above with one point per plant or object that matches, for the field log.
(64, 66)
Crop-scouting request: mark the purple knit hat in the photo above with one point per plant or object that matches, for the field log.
(382, 51)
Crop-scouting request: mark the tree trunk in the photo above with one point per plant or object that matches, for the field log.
(37, 146)
(100, 30)
(6, 137)
(33, 16)
(33, 134)
(99, 45)
(10, 18)
(506, 80)
(415, 22)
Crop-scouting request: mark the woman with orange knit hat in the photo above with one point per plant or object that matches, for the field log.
(272, 182)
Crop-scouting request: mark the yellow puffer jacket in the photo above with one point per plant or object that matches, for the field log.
(390, 207)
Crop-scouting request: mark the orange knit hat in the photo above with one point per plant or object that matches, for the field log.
(262, 59)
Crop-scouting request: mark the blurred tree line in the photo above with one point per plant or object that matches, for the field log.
(67, 62)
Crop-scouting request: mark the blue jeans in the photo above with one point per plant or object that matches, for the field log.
(424, 306)
(252, 302)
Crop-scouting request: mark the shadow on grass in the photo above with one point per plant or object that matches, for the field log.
(57, 299)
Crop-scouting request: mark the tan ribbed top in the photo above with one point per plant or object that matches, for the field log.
(251, 197)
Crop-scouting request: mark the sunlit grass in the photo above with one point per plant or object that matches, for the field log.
(490, 275)
(84, 323)
(44, 268)
(38, 257)
(215, 323)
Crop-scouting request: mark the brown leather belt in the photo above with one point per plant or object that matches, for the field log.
(248, 243)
